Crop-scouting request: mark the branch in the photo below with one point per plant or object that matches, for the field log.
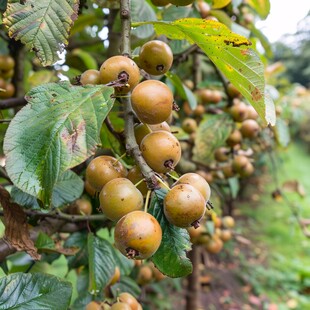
(131, 143)
(12, 103)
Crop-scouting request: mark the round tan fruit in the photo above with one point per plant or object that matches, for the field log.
(137, 235)
(249, 128)
(189, 125)
(239, 162)
(225, 235)
(239, 111)
(145, 275)
(135, 175)
(184, 206)
(103, 169)
(119, 197)
(152, 101)
(6, 62)
(82, 206)
(129, 300)
(161, 150)
(197, 182)
(228, 221)
(93, 305)
(91, 77)
(221, 154)
(234, 138)
(155, 57)
(214, 246)
(120, 306)
(117, 67)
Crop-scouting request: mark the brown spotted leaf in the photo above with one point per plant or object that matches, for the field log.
(56, 131)
(16, 226)
(42, 25)
(230, 52)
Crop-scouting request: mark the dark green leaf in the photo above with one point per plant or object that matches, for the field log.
(170, 258)
(211, 134)
(101, 263)
(230, 53)
(282, 133)
(81, 302)
(3, 4)
(126, 285)
(42, 25)
(68, 188)
(34, 291)
(44, 241)
(78, 240)
(184, 92)
(24, 199)
(56, 131)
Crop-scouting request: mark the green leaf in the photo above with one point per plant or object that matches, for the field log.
(141, 11)
(34, 291)
(42, 25)
(68, 188)
(101, 263)
(262, 7)
(3, 4)
(184, 92)
(218, 4)
(170, 258)
(282, 133)
(234, 187)
(26, 200)
(56, 131)
(88, 60)
(78, 240)
(44, 241)
(230, 53)
(126, 285)
(211, 134)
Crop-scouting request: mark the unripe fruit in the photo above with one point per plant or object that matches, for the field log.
(120, 306)
(239, 111)
(214, 246)
(197, 182)
(82, 206)
(152, 101)
(234, 138)
(145, 275)
(7, 74)
(137, 235)
(225, 235)
(90, 77)
(216, 96)
(155, 57)
(228, 221)
(103, 169)
(160, 2)
(135, 175)
(6, 62)
(249, 128)
(117, 67)
(93, 306)
(161, 150)
(181, 2)
(141, 130)
(195, 233)
(129, 300)
(184, 206)
(247, 170)
(119, 197)
(116, 276)
(239, 162)
(221, 154)
(189, 125)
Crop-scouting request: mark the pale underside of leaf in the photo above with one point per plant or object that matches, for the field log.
(58, 130)
(230, 53)
(42, 25)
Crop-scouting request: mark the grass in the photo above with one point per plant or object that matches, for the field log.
(275, 228)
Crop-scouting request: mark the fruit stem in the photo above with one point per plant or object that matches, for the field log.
(172, 177)
(118, 159)
(138, 183)
(147, 199)
(163, 183)
(209, 205)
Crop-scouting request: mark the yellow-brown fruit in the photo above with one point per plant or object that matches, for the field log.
(91, 77)
(155, 57)
(119, 197)
(247, 170)
(139, 307)
(225, 235)
(6, 62)
(160, 2)
(189, 125)
(208, 176)
(145, 275)
(197, 182)
(116, 276)
(216, 96)
(181, 2)
(117, 67)
(214, 246)
(249, 128)
(228, 221)
(152, 101)
(228, 171)
(9, 91)
(234, 138)
(189, 84)
(200, 110)
(135, 175)
(137, 235)
(195, 233)
(232, 91)
(239, 162)
(129, 300)
(202, 239)
(120, 306)
(217, 222)
(89, 189)
(161, 150)
(205, 95)
(161, 126)
(2, 83)
(141, 130)
(82, 206)
(7, 74)
(252, 114)
(221, 154)
(93, 305)
(157, 275)
(239, 111)
(204, 8)
(184, 206)
(103, 169)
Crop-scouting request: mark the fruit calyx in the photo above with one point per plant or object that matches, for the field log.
(132, 253)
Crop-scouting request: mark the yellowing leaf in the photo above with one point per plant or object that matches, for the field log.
(230, 52)
(218, 4)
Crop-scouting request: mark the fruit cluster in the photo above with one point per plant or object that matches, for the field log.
(7, 64)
